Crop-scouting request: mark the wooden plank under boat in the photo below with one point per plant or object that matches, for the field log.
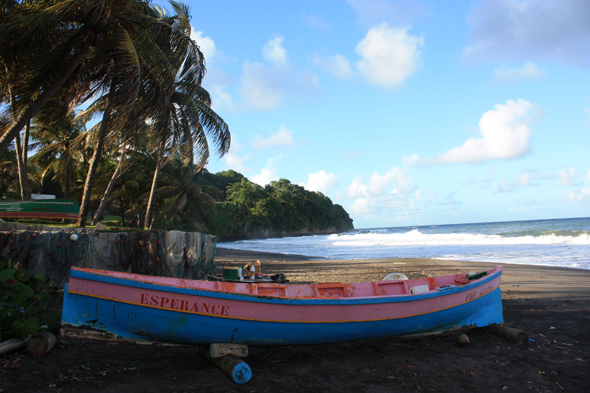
(115, 305)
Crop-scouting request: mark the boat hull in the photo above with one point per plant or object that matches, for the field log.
(127, 308)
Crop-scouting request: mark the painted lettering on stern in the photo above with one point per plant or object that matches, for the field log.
(173, 303)
(475, 294)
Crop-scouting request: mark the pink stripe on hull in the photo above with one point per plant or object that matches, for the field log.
(266, 311)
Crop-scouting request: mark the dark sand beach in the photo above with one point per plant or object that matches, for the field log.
(550, 304)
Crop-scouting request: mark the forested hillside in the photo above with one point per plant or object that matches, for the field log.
(245, 209)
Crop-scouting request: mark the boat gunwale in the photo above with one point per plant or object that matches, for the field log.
(93, 274)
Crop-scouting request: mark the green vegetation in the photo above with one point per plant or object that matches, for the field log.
(141, 73)
(23, 303)
(280, 208)
(136, 67)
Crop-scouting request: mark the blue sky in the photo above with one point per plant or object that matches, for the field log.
(407, 112)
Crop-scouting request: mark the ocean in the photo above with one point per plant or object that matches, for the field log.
(558, 242)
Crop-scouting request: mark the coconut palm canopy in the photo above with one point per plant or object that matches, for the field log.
(134, 62)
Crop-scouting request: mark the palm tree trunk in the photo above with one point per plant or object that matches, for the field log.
(66, 158)
(26, 144)
(122, 210)
(22, 173)
(25, 158)
(157, 172)
(35, 106)
(104, 124)
(23, 180)
(107, 192)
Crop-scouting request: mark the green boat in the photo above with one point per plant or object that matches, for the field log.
(48, 208)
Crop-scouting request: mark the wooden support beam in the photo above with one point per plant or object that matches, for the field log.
(218, 350)
(507, 333)
(234, 367)
(40, 343)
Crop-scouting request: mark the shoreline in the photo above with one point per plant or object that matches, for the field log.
(550, 304)
(518, 280)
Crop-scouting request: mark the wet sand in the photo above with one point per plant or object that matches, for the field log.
(550, 304)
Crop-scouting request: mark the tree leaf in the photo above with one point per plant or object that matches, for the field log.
(24, 329)
(51, 319)
(7, 274)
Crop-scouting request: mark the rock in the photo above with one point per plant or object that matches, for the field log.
(462, 340)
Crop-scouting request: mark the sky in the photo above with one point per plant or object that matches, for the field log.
(407, 112)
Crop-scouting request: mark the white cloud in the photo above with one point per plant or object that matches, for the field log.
(236, 162)
(523, 180)
(356, 189)
(412, 160)
(364, 206)
(506, 135)
(321, 181)
(205, 43)
(389, 55)
(389, 191)
(530, 30)
(264, 86)
(566, 177)
(261, 86)
(379, 183)
(511, 74)
(233, 160)
(582, 195)
(266, 175)
(283, 137)
(274, 51)
(413, 205)
(337, 65)
(221, 98)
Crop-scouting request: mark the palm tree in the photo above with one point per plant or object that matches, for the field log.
(185, 120)
(42, 44)
(182, 197)
(89, 48)
(139, 76)
(7, 175)
(57, 144)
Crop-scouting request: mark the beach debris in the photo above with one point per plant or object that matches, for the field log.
(476, 275)
(394, 277)
(462, 340)
(40, 343)
(507, 333)
(11, 345)
(279, 278)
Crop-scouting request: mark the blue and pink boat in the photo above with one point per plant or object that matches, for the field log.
(122, 306)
